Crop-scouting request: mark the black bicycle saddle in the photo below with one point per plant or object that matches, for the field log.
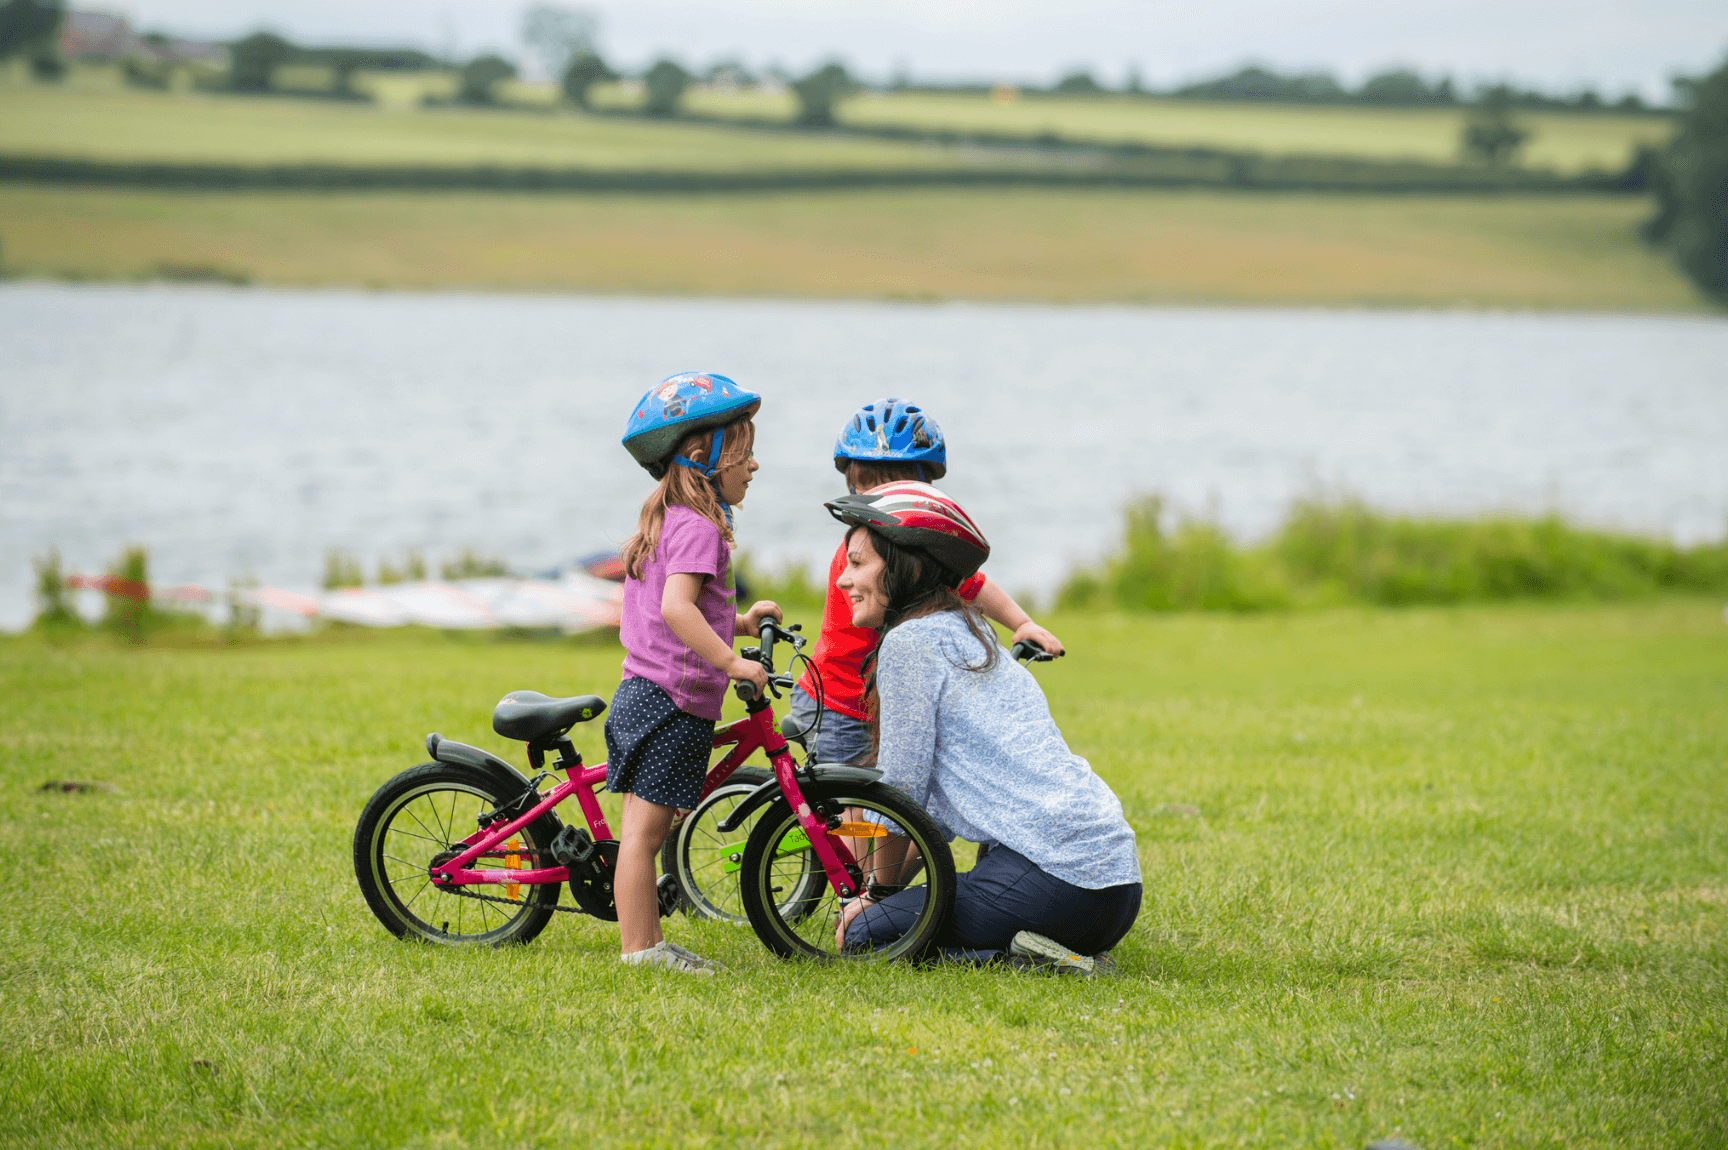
(530, 717)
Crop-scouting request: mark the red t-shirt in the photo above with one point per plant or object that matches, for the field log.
(842, 648)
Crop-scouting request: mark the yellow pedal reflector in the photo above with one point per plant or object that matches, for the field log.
(513, 861)
(860, 831)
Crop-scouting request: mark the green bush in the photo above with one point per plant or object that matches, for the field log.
(1194, 567)
(1332, 551)
(341, 570)
(53, 612)
(1690, 187)
(129, 614)
(470, 564)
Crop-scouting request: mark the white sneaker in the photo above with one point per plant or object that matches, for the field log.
(662, 954)
(692, 956)
(1035, 950)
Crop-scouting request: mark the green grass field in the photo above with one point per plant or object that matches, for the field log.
(1561, 141)
(131, 125)
(101, 121)
(1565, 143)
(1569, 252)
(1456, 875)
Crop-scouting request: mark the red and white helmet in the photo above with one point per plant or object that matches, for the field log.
(917, 515)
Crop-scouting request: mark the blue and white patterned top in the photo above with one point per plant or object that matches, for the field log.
(979, 751)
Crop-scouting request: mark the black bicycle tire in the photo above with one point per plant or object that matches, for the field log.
(372, 872)
(775, 932)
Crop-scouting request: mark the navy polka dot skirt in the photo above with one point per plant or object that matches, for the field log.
(653, 750)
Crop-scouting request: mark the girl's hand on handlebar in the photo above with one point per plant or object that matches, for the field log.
(751, 621)
(742, 670)
(1033, 632)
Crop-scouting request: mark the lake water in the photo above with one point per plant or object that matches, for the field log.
(246, 431)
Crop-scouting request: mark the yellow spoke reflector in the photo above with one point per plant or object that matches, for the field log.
(860, 831)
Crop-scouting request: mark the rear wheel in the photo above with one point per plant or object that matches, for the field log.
(897, 846)
(421, 815)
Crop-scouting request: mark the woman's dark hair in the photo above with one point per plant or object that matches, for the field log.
(917, 585)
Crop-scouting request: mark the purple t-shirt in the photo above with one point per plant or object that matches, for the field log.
(689, 545)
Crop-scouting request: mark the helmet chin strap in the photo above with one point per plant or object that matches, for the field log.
(709, 470)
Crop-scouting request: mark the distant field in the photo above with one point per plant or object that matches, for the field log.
(1566, 143)
(136, 126)
(102, 121)
(1573, 253)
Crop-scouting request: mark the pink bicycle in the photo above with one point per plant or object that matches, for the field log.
(468, 850)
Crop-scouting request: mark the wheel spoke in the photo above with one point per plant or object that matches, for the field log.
(407, 834)
(441, 839)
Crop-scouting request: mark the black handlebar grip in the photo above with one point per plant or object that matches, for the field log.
(1028, 650)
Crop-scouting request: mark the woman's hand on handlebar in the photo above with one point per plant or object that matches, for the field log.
(750, 621)
(742, 670)
(853, 909)
(1032, 632)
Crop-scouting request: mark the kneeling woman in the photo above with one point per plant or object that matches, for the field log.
(967, 733)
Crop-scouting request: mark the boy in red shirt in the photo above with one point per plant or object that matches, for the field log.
(885, 441)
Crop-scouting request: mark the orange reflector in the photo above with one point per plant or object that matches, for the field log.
(513, 861)
(861, 831)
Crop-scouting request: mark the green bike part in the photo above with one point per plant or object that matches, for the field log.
(791, 844)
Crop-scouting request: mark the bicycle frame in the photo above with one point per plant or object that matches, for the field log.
(756, 730)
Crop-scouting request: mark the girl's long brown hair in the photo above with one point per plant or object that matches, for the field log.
(687, 487)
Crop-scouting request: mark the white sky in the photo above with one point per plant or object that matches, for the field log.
(1615, 45)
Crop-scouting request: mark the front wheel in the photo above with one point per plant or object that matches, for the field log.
(897, 846)
(422, 814)
(706, 862)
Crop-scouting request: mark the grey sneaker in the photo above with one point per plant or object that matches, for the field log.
(1104, 966)
(661, 954)
(1038, 951)
(692, 957)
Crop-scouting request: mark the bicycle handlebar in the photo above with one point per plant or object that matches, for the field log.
(769, 632)
(1029, 651)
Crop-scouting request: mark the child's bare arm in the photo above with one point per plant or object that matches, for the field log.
(678, 608)
(999, 606)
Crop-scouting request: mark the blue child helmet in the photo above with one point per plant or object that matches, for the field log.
(893, 431)
(676, 406)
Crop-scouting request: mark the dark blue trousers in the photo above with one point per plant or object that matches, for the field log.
(1001, 896)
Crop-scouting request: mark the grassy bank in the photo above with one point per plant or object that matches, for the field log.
(1454, 874)
(1333, 551)
(1574, 253)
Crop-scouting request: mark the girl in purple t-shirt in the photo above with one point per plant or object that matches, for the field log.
(693, 432)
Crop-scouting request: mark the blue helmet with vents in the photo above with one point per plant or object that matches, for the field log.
(676, 406)
(893, 431)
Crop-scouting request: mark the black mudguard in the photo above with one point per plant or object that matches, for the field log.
(510, 780)
(770, 790)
